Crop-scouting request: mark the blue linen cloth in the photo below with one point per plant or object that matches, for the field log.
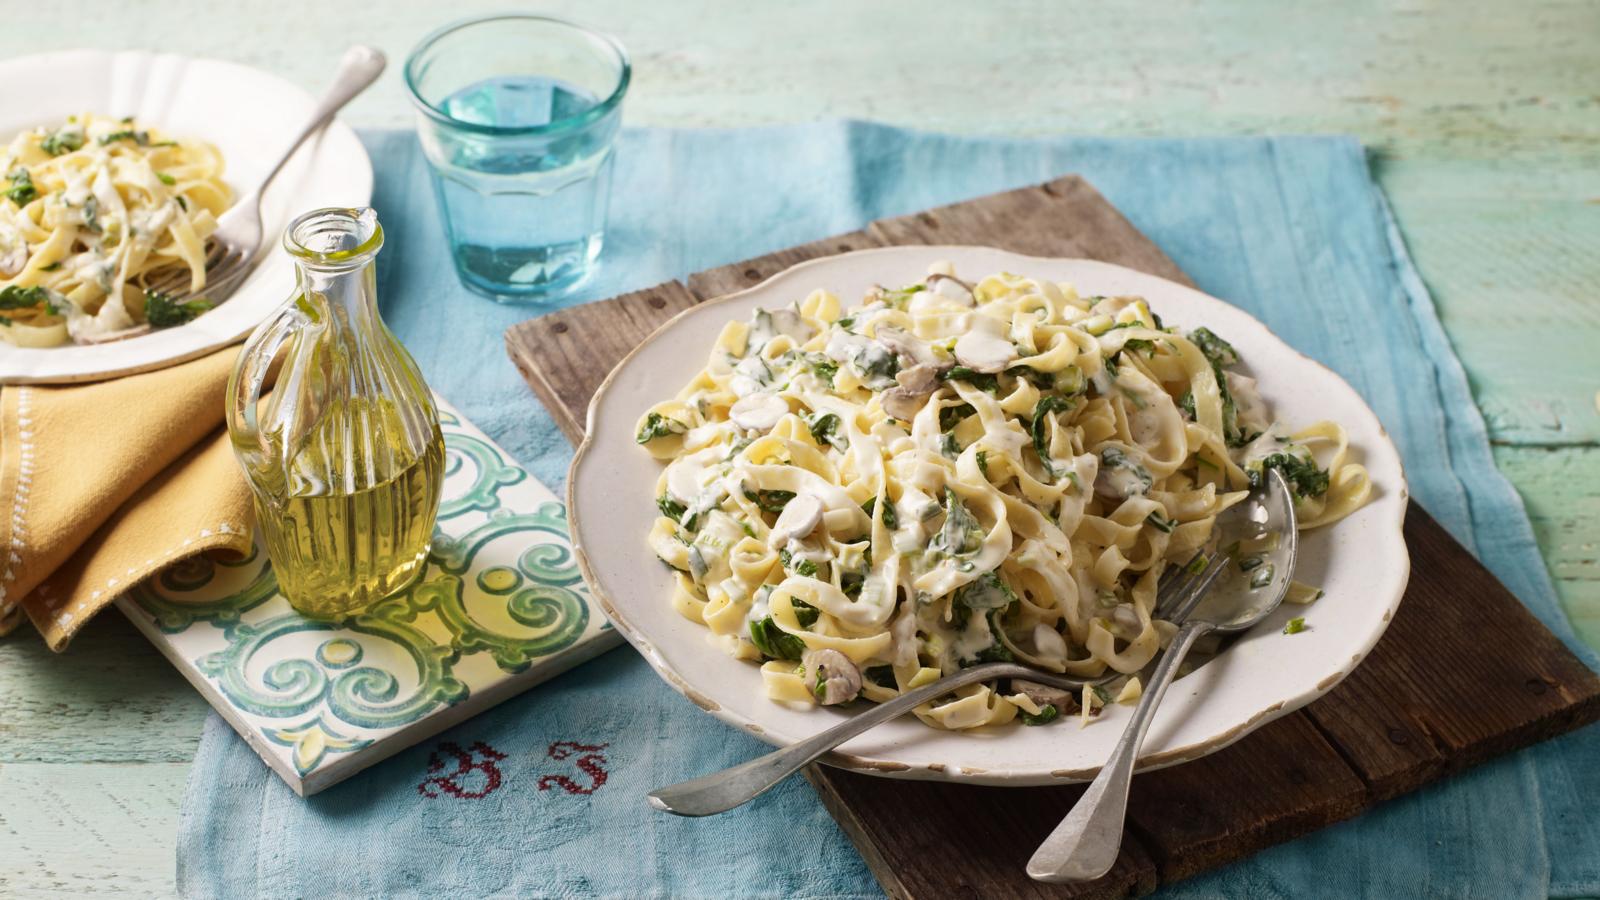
(544, 795)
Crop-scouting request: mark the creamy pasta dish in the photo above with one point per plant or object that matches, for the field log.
(92, 212)
(952, 473)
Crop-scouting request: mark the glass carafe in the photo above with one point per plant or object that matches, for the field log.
(344, 454)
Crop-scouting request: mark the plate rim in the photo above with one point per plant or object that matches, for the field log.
(953, 773)
(208, 342)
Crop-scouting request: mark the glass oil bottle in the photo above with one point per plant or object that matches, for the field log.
(344, 455)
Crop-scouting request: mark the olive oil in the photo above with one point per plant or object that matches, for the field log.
(344, 456)
(338, 551)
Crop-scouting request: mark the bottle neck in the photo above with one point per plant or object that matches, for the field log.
(344, 299)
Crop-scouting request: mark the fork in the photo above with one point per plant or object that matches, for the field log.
(231, 250)
(737, 785)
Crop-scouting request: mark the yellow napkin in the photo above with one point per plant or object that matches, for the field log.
(104, 484)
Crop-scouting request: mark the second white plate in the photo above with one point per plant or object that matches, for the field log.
(250, 116)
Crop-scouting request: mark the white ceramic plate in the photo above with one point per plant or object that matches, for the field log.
(1361, 561)
(250, 116)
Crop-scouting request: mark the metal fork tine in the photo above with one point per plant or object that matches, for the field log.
(1175, 592)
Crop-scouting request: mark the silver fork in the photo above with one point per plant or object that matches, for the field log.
(231, 250)
(735, 786)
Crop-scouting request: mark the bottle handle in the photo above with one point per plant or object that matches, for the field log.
(249, 378)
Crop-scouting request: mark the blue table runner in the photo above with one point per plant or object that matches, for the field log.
(544, 795)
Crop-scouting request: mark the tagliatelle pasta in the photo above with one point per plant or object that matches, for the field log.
(954, 473)
(90, 213)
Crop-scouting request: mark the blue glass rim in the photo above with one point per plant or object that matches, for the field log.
(571, 123)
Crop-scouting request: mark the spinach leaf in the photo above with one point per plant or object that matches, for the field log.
(13, 297)
(656, 425)
(22, 191)
(824, 428)
(1302, 474)
(890, 520)
(961, 532)
(774, 642)
(951, 416)
(1047, 713)
(1041, 427)
(978, 380)
(1219, 351)
(769, 501)
(63, 141)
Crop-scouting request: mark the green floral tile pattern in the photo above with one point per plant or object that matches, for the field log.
(501, 600)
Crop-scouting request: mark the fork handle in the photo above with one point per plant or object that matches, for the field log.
(735, 786)
(1086, 843)
(358, 69)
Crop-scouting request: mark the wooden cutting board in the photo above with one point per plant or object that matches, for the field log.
(1430, 700)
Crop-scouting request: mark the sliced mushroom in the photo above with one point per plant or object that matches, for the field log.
(951, 287)
(914, 385)
(982, 349)
(909, 347)
(833, 678)
(758, 412)
(1044, 695)
(799, 518)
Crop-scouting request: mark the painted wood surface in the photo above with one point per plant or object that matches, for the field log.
(1483, 116)
(1429, 700)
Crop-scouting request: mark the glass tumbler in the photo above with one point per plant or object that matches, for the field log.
(517, 115)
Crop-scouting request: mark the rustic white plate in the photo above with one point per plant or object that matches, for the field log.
(1361, 562)
(250, 116)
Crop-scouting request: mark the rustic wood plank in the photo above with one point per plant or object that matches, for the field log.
(875, 813)
(740, 275)
(1402, 719)
(565, 355)
(1065, 217)
(1280, 782)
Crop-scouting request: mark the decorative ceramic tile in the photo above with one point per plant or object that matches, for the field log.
(500, 608)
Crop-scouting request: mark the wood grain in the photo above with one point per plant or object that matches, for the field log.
(1433, 698)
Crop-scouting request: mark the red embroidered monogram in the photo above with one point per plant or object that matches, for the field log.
(591, 761)
(467, 761)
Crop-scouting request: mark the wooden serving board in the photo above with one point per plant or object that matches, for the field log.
(1428, 701)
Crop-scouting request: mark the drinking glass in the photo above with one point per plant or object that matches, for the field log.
(517, 115)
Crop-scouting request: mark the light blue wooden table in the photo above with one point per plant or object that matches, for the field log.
(1484, 118)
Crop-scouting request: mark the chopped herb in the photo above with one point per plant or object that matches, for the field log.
(142, 138)
(1161, 524)
(91, 213)
(22, 191)
(1196, 565)
(166, 179)
(1295, 626)
(1138, 345)
(1302, 474)
(983, 462)
(670, 508)
(899, 297)
(948, 445)
(774, 642)
(846, 322)
(1111, 366)
(1186, 403)
(1047, 713)
(851, 583)
(978, 380)
(1102, 693)
(52, 267)
(890, 520)
(769, 501)
(823, 367)
(656, 426)
(745, 527)
(1250, 562)
(182, 203)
